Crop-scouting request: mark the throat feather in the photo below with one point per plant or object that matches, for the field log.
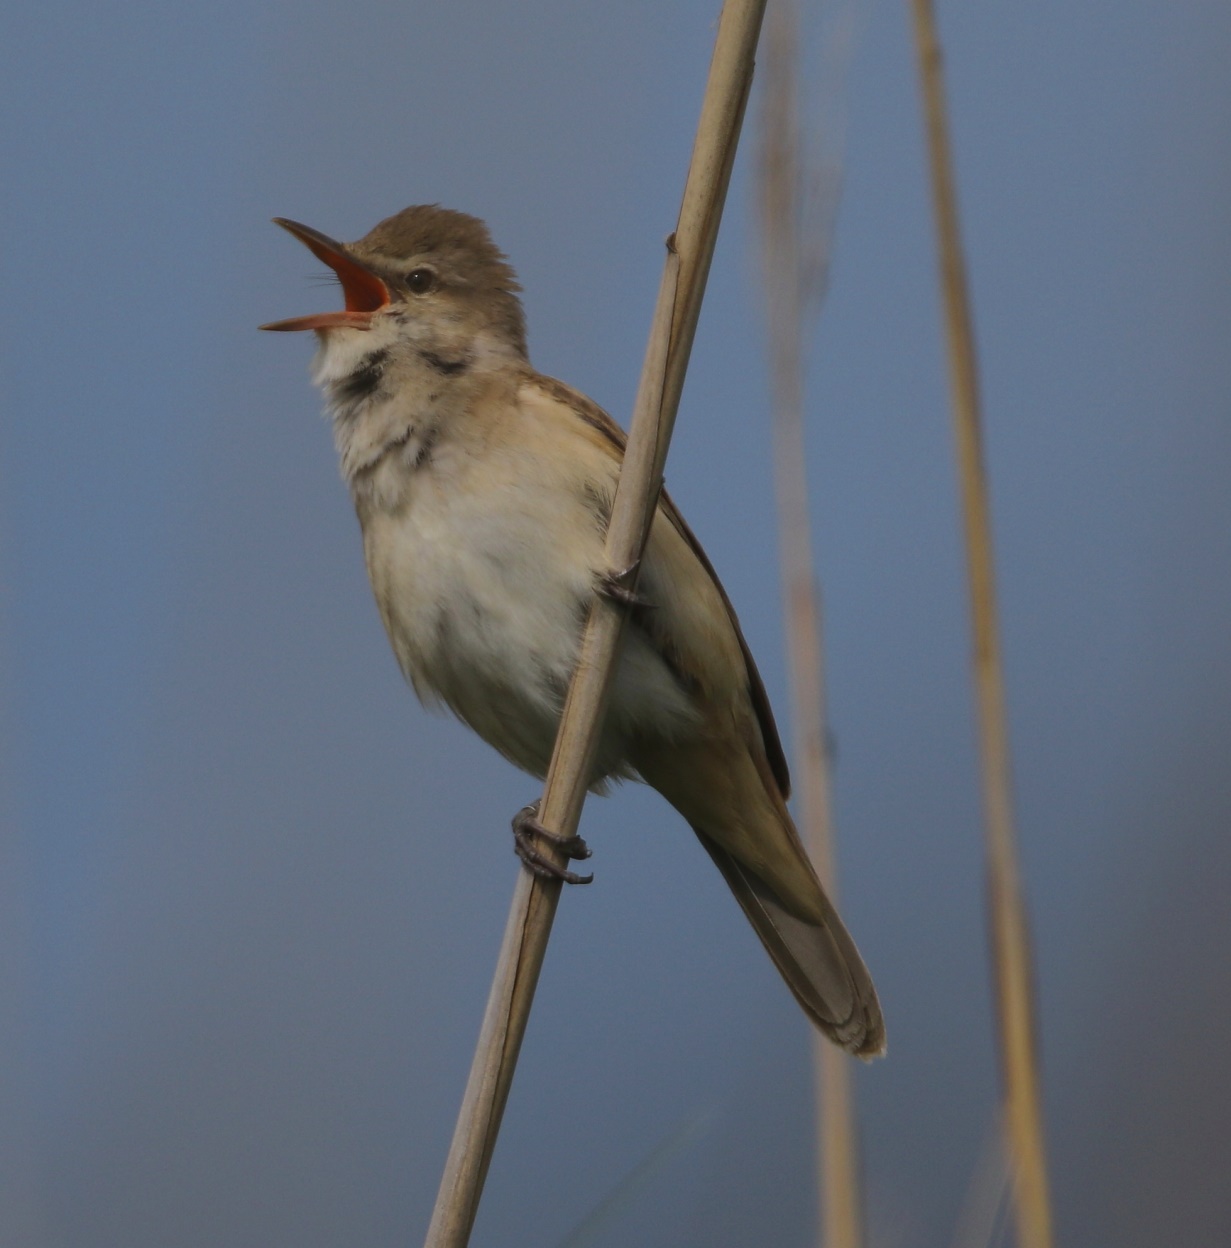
(363, 382)
(449, 368)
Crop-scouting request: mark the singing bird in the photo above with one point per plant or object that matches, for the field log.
(483, 490)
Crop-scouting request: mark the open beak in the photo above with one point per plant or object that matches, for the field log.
(364, 292)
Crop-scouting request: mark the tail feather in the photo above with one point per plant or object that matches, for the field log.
(730, 799)
(819, 962)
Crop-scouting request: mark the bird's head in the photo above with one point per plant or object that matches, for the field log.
(428, 277)
(430, 311)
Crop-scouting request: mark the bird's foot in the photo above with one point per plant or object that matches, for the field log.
(617, 587)
(526, 827)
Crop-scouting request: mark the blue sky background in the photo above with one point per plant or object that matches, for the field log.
(251, 894)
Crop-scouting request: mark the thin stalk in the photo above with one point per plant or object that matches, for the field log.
(1012, 959)
(795, 282)
(981, 1220)
(598, 1222)
(689, 252)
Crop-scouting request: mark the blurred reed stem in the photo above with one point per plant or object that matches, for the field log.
(981, 1221)
(795, 247)
(689, 252)
(1012, 959)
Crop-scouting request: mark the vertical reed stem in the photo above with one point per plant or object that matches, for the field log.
(534, 901)
(1011, 952)
(794, 282)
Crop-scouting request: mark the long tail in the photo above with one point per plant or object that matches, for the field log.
(819, 962)
(740, 816)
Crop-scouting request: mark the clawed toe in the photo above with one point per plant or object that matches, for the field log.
(615, 586)
(526, 827)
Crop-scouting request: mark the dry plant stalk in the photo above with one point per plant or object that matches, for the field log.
(795, 275)
(982, 1217)
(534, 901)
(1011, 952)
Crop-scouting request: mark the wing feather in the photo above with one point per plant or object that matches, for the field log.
(594, 416)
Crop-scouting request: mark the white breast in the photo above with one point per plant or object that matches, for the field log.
(484, 577)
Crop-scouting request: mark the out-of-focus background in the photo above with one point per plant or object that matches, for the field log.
(251, 894)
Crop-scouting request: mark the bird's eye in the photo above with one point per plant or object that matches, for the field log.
(421, 281)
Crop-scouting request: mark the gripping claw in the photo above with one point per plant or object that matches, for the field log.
(526, 827)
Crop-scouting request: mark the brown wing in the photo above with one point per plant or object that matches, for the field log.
(598, 419)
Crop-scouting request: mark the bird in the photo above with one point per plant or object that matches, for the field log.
(483, 490)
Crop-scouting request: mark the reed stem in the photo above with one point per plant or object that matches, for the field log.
(1012, 960)
(796, 271)
(677, 309)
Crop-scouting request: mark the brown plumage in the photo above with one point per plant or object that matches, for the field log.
(483, 489)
